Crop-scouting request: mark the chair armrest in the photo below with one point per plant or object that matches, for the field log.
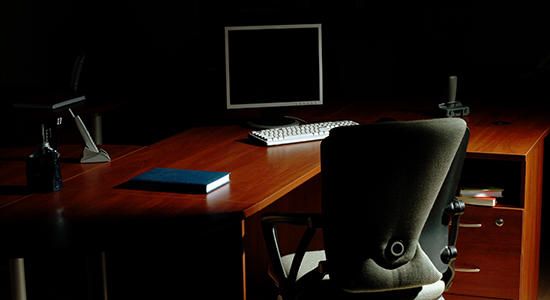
(269, 229)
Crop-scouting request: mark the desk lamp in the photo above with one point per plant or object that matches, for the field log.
(453, 108)
(91, 153)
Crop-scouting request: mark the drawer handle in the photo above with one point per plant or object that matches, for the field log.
(469, 225)
(476, 270)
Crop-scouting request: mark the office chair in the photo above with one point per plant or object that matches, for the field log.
(387, 202)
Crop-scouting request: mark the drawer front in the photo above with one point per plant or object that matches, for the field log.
(461, 297)
(489, 253)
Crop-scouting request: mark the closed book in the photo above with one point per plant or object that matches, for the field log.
(479, 201)
(481, 192)
(179, 180)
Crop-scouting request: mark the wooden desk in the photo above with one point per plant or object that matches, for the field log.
(286, 178)
(91, 212)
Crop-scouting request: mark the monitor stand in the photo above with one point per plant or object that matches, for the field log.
(272, 117)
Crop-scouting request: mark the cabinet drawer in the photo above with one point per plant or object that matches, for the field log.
(461, 297)
(489, 253)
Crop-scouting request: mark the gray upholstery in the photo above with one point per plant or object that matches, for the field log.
(402, 168)
(311, 261)
(386, 187)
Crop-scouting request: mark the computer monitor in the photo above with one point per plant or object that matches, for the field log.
(272, 67)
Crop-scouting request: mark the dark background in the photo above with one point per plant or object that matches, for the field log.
(165, 58)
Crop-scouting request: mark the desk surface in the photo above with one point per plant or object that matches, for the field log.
(92, 197)
(12, 167)
(260, 175)
(527, 123)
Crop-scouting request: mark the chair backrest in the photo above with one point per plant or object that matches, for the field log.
(380, 183)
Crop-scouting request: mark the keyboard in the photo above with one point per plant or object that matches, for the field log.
(297, 133)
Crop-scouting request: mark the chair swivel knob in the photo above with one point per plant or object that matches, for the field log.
(448, 254)
(456, 207)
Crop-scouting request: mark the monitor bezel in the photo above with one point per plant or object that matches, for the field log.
(229, 105)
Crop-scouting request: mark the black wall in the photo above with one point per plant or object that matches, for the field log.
(166, 57)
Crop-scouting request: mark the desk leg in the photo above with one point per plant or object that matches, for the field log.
(97, 276)
(17, 276)
(243, 259)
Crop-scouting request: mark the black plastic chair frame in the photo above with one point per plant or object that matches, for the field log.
(288, 282)
(450, 209)
(313, 222)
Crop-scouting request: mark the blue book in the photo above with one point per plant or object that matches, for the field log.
(179, 180)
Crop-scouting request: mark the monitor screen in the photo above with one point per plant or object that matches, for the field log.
(273, 66)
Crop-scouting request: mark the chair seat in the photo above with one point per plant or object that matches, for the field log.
(311, 261)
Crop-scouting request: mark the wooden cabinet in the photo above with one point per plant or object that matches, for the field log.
(498, 247)
(461, 297)
(489, 261)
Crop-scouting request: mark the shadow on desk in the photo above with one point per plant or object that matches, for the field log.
(21, 190)
(14, 165)
(13, 189)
